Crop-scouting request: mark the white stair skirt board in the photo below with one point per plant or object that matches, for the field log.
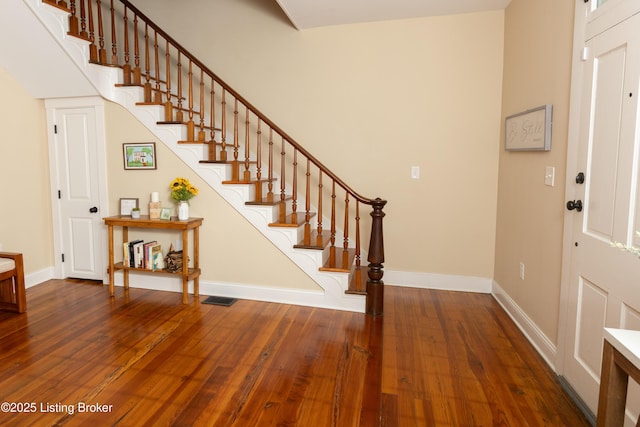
(104, 79)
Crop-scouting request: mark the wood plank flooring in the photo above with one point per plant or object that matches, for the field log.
(436, 358)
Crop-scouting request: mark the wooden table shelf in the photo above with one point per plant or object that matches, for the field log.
(187, 273)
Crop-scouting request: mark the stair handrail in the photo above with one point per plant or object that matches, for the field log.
(250, 106)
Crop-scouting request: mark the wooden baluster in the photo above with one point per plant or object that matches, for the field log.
(126, 67)
(319, 228)
(168, 106)
(137, 73)
(270, 168)
(212, 121)
(358, 271)
(223, 127)
(83, 21)
(375, 286)
(358, 262)
(114, 44)
(158, 93)
(235, 138)
(259, 162)
(247, 157)
(332, 248)
(294, 187)
(93, 48)
(73, 20)
(102, 53)
(201, 133)
(179, 109)
(148, 96)
(190, 124)
(179, 113)
(282, 206)
(307, 206)
(345, 241)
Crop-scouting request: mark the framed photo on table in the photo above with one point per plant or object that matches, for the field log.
(127, 205)
(165, 213)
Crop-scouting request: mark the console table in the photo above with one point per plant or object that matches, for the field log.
(187, 273)
(620, 360)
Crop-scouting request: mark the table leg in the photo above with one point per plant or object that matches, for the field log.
(613, 390)
(185, 267)
(111, 268)
(125, 272)
(196, 262)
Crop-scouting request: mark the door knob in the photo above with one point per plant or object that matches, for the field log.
(93, 210)
(574, 204)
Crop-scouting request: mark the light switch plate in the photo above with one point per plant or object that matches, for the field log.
(550, 176)
(415, 172)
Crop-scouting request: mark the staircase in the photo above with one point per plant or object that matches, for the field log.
(302, 207)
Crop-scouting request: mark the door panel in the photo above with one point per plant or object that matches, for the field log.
(76, 155)
(603, 289)
(82, 239)
(606, 81)
(592, 309)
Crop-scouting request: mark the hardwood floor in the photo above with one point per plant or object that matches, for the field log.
(78, 357)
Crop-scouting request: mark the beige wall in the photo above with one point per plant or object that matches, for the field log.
(537, 66)
(25, 206)
(370, 101)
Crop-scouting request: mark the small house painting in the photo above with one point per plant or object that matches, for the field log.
(139, 156)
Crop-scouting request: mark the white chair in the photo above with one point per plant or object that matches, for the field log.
(12, 291)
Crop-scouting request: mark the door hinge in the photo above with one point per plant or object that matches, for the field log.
(62, 257)
(585, 53)
(55, 129)
(59, 194)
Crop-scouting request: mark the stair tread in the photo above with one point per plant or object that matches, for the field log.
(196, 141)
(293, 220)
(343, 261)
(243, 181)
(228, 162)
(316, 241)
(272, 200)
(358, 282)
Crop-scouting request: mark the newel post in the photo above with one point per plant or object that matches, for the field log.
(375, 285)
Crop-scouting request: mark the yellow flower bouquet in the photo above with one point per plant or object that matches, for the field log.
(182, 190)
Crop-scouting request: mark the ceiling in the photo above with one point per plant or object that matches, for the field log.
(319, 13)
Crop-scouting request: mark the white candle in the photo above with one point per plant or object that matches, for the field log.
(155, 197)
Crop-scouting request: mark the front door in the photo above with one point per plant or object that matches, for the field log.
(76, 186)
(604, 282)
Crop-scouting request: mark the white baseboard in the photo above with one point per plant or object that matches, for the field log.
(445, 282)
(309, 298)
(38, 277)
(536, 337)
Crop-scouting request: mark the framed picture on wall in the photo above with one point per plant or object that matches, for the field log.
(139, 156)
(529, 130)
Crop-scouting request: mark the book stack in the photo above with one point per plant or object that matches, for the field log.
(143, 255)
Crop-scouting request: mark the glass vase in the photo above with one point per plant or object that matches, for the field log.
(183, 211)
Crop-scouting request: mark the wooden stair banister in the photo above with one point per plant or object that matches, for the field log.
(207, 103)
